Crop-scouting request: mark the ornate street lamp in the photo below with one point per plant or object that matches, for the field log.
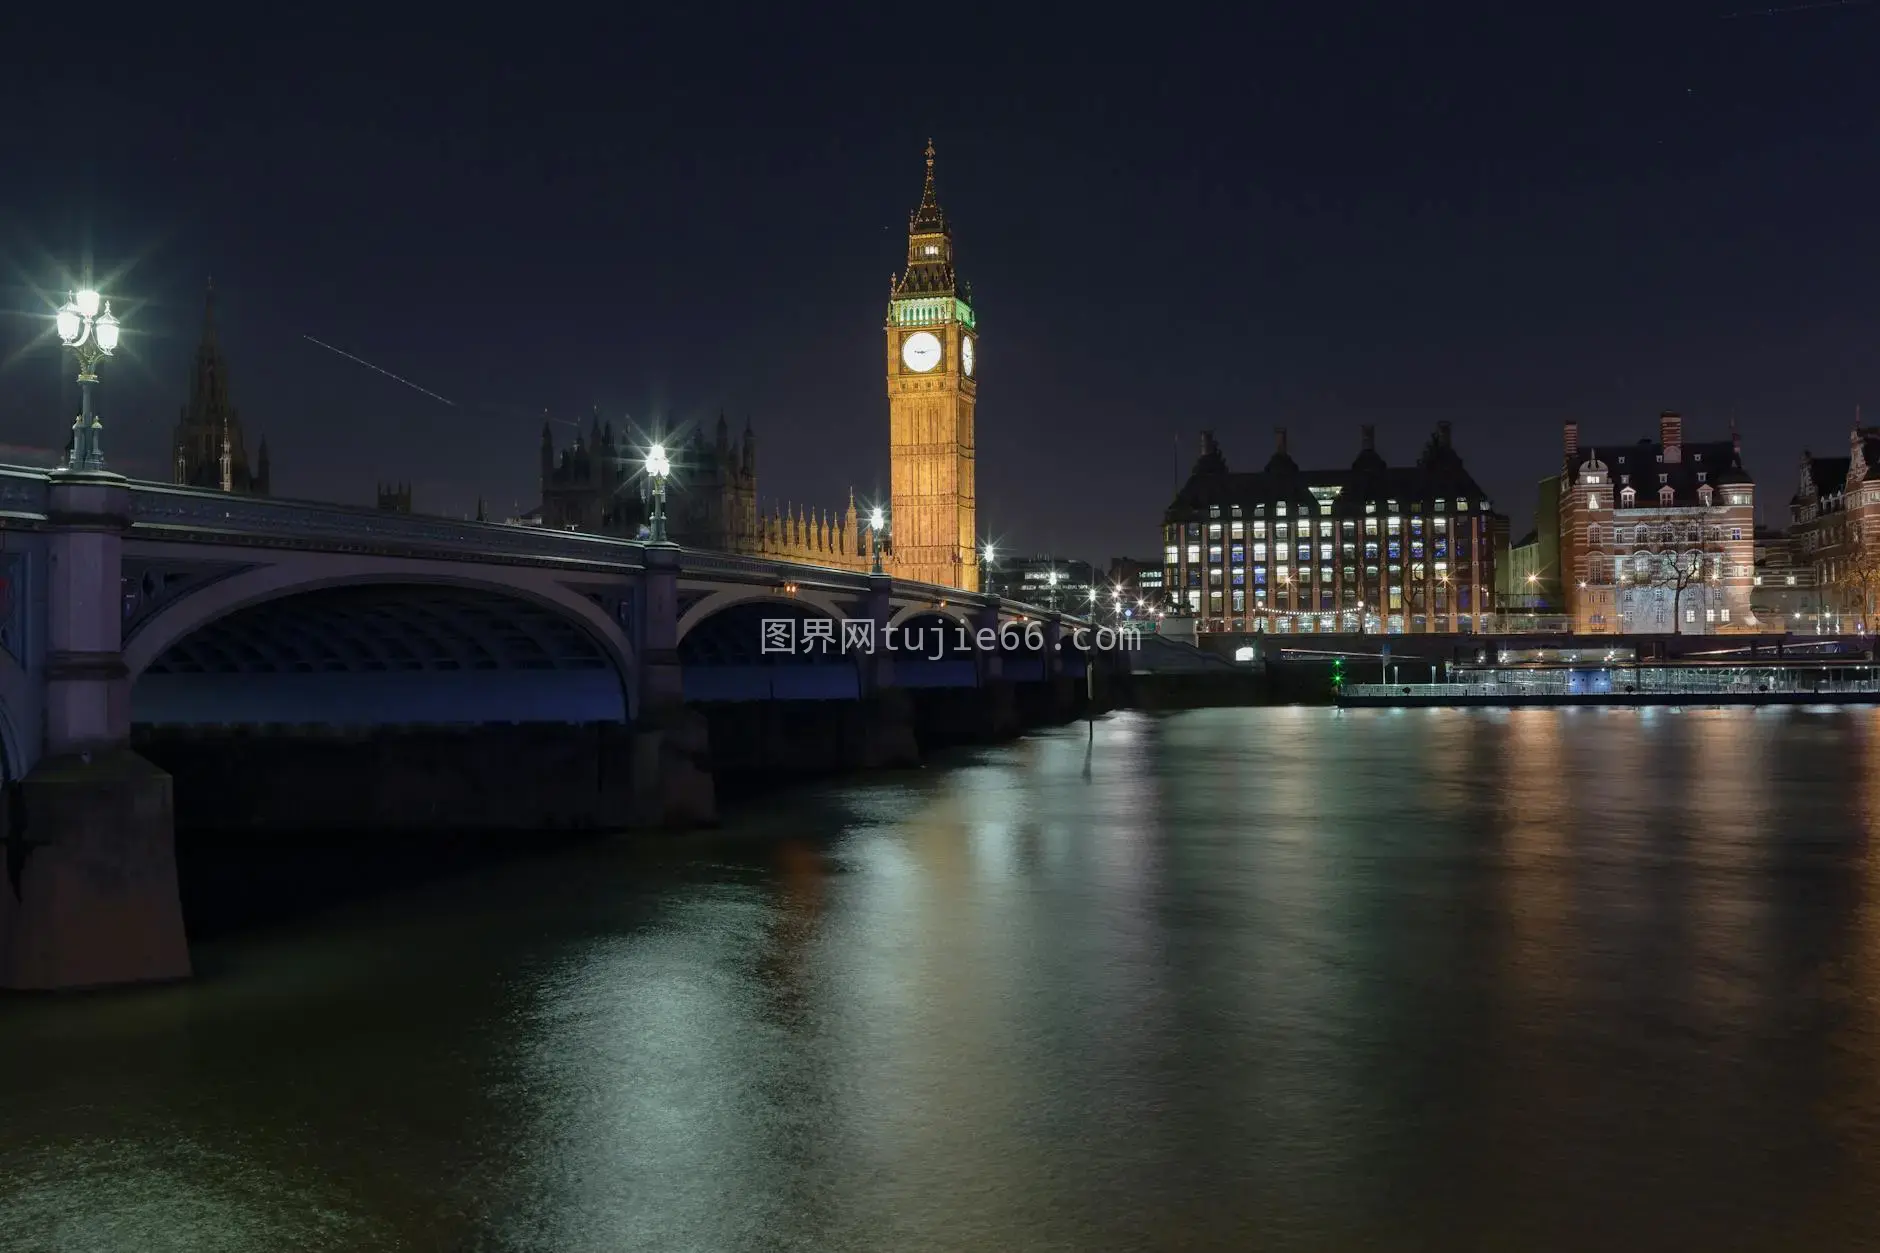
(659, 469)
(92, 336)
(875, 522)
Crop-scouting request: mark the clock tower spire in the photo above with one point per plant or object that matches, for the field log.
(932, 368)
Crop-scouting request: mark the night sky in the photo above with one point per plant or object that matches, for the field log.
(1309, 214)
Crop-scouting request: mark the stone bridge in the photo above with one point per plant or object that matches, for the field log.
(166, 618)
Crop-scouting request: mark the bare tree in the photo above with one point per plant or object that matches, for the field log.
(1859, 575)
(1681, 566)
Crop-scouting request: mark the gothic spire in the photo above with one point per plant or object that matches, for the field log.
(927, 219)
(208, 315)
(929, 248)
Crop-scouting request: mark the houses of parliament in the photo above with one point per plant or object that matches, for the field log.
(596, 483)
(207, 449)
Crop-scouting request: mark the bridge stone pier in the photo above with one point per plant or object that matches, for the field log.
(174, 658)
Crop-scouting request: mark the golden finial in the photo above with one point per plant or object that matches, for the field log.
(930, 152)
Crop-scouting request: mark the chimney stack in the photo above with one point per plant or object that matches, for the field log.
(1367, 435)
(1572, 441)
(1281, 432)
(1671, 436)
(1442, 434)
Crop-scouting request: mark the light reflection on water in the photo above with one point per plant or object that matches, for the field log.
(1540, 979)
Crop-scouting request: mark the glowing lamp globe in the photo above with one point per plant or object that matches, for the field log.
(875, 520)
(107, 331)
(71, 326)
(87, 302)
(656, 463)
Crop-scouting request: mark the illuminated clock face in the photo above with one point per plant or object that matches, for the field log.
(967, 354)
(920, 351)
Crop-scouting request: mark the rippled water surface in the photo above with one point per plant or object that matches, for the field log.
(1275, 979)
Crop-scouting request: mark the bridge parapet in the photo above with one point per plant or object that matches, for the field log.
(198, 515)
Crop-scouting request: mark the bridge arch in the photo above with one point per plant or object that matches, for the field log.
(757, 649)
(397, 641)
(958, 614)
(718, 601)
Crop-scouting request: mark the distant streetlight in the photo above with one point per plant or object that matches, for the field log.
(876, 521)
(92, 336)
(659, 469)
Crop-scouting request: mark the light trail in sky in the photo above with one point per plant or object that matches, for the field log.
(1780, 10)
(387, 373)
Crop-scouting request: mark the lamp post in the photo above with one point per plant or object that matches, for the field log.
(91, 335)
(875, 522)
(659, 469)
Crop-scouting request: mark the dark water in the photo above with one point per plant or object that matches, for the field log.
(1275, 979)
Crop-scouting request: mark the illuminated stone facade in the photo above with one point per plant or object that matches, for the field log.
(1835, 531)
(1657, 537)
(932, 371)
(1373, 548)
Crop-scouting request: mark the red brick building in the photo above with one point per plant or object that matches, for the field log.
(1657, 536)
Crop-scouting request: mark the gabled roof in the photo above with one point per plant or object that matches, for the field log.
(1438, 474)
(1642, 467)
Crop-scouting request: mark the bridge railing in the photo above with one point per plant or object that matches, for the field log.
(22, 492)
(160, 509)
(156, 508)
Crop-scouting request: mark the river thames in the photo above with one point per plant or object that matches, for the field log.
(1234, 979)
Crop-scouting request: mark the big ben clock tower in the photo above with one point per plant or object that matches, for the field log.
(933, 365)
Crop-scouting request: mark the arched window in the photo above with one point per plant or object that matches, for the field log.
(1627, 498)
(1638, 535)
(1664, 496)
(1704, 495)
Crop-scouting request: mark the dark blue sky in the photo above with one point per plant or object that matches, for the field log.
(1309, 215)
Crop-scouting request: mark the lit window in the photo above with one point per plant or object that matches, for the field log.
(1259, 530)
(1279, 510)
(1194, 552)
(1214, 531)
(1259, 552)
(1239, 528)
(1174, 554)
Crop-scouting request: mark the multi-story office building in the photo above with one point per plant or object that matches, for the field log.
(1657, 537)
(1135, 586)
(1044, 581)
(1527, 572)
(1371, 548)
